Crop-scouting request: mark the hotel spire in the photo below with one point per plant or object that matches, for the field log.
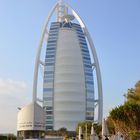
(62, 10)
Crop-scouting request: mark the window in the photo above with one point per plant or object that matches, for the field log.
(50, 59)
(87, 65)
(90, 104)
(52, 37)
(49, 127)
(47, 89)
(50, 76)
(51, 41)
(90, 118)
(83, 43)
(49, 112)
(90, 99)
(89, 86)
(90, 82)
(86, 57)
(54, 28)
(51, 45)
(55, 25)
(85, 50)
(88, 69)
(48, 80)
(88, 74)
(50, 49)
(49, 122)
(49, 84)
(87, 61)
(48, 72)
(49, 117)
(81, 36)
(90, 109)
(79, 30)
(47, 98)
(89, 78)
(49, 108)
(90, 91)
(49, 64)
(50, 53)
(84, 46)
(51, 67)
(48, 103)
(90, 95)
(53, 34)
(54, 31)
(49, 56)
(82, 40)
(46, 95)
(75, 24)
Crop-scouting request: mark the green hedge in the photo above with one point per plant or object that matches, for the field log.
(7, 138)
(3, 137)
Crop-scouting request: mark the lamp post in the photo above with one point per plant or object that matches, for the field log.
(80, 133)
(86, 131)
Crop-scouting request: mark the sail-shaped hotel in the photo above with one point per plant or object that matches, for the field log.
(68, 84)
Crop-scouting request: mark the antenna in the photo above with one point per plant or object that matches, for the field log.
(62, 10)
(61, 1)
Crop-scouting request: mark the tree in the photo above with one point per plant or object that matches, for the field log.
(62, 131)
(133, 94)
(126, 118)
(111, 126)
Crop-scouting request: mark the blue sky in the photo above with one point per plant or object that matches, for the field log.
(114, 26)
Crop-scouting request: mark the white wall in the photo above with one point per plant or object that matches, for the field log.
(69, 84)
(31, 117)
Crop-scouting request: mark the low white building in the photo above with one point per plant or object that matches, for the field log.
(31, 122)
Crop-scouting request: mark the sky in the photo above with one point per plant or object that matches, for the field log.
(114, 26)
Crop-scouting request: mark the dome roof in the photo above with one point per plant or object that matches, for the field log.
(31, 117)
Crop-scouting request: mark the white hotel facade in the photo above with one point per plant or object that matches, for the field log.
(68, 89)
(68, 94)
